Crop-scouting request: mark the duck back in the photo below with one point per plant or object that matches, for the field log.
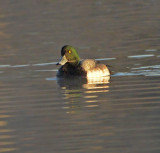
(94, 68)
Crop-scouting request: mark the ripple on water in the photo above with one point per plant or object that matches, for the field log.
(151, 50)
(16, 66)
(47, 70)
(105, 59)
(44, 64)
(26, 65)
(4, 66)
(141, 56)
(152, 70)
(148, 72)
(147, 67)
(124, 74)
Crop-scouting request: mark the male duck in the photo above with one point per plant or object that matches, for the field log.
(72, 66)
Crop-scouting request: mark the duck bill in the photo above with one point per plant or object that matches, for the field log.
(62, 61)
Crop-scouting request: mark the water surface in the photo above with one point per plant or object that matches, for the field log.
(41, 113)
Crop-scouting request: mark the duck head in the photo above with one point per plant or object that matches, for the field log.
(70, 55)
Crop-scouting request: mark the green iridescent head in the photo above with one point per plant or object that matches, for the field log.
(70, 55)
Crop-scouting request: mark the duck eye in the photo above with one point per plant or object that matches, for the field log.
(69, 51)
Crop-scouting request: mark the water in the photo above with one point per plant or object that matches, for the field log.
(41, 113)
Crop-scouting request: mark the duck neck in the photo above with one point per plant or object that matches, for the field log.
(74, 63)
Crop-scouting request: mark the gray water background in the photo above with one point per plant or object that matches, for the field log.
(40, 113)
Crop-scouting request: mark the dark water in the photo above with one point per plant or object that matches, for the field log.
(40, 113)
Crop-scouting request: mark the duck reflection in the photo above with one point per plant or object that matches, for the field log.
(82, 92)
(95, 82)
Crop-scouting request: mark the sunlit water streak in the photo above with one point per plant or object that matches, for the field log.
(151, 50)
(148, 67)
(141, 56)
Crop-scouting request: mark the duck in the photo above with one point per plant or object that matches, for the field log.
(71, 65)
